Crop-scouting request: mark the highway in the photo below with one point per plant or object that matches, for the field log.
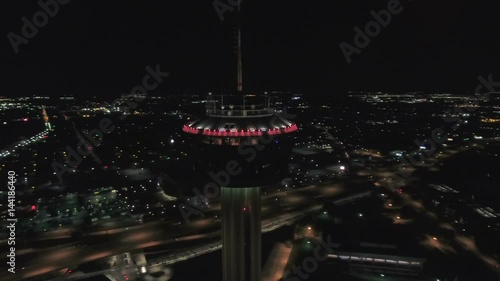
(297, 201)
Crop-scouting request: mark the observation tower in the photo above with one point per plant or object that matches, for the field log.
(245, 147)
(244, 142)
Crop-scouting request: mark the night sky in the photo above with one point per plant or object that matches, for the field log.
(101, 48)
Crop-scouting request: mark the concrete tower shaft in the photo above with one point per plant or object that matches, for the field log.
(241, 233)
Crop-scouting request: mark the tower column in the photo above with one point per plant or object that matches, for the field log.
(241, 233)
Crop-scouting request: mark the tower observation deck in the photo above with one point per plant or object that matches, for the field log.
(230, 123)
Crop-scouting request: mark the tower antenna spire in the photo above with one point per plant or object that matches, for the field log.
(238, 53)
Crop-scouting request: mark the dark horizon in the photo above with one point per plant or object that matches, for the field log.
(101, 49)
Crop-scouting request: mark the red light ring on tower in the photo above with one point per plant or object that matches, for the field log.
(242, 133)
(190, 130)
